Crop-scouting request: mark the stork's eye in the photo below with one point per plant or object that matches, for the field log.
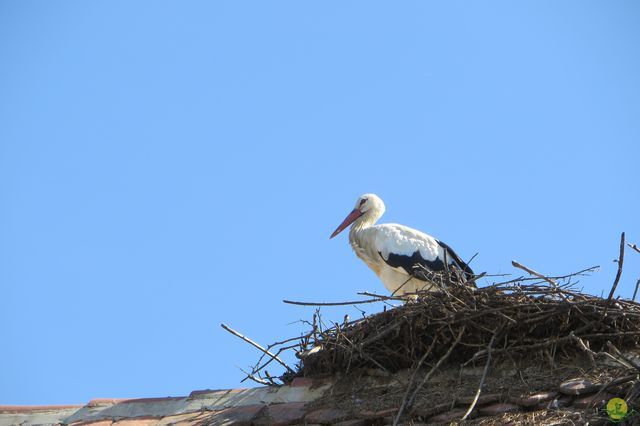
(364, 200)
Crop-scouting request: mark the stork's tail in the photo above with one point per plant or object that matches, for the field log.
(466, 275)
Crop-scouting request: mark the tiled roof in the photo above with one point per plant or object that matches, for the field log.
(235, 406)
(304, 401)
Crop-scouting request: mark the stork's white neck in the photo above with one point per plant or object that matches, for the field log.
(367, 220)
(359, 239)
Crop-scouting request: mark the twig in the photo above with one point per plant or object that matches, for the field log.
(280, 343)
(623, 356)
(412, 378)
(435, 367)
(549, 342)
(383, 299)
(615, 282)
(256, 345)
(380, 296)
(532, 272)
(611, 358)
(559, 277)
(256, 379)
(386, 330)
(551, 281)
(484, 375)
(636, 290)
(635, 247)
(409, 403)
(403, 284)
(613, 382)
(357, 302)
(259, 367)
(584, 348)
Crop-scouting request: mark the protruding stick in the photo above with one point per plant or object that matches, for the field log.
(615, 282)
(256, 345)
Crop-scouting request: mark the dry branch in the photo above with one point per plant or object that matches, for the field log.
(355, 302)
(482, 379)
(618, 274)
(534, 315)
(534, 273)
(408, 403)
(256, 345)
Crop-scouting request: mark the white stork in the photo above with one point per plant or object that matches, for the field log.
(394, 251)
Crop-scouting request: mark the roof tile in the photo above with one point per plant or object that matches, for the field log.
(370, 414)
(498, 409)
(449, 416)
(283, 414)
(140, 421)
(237, 416)
(101, 402)
(188, 419)
(35, 408)
(533, 399)
(327, 415)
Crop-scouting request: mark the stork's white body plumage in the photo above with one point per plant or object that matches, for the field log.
(394, 251)
(376, 244)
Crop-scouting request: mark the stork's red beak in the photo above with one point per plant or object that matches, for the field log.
(347, 221)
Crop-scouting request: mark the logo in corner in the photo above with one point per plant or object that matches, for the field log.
(617, 409)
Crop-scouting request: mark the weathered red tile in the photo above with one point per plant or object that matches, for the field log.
(207, 392)
(92, 423)
(448, 416)
(237, 390)
(577, 387)
(35, 408)
(188, 419)
(301, 381)
(201, 392)
(592, 401)
(427, 410)
(497, 409)
(487, 398)
(138, 421)
(283, 414)
(533, 399)
(327, 415)
(377, 372)
(371, 414)
(356, 422)
(560, 401)
(312, 382)
(148, 400)
(101, 402)
(234, 416)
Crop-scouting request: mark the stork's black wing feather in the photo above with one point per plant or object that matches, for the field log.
(409, 263)
(457, 260)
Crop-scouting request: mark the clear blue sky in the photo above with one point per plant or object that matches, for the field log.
(168, 166)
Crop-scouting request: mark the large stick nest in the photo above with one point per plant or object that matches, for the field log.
(518, 319)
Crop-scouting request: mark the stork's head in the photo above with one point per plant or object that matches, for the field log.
(369, 208)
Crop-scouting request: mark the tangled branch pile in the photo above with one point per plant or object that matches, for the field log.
(517, 318)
